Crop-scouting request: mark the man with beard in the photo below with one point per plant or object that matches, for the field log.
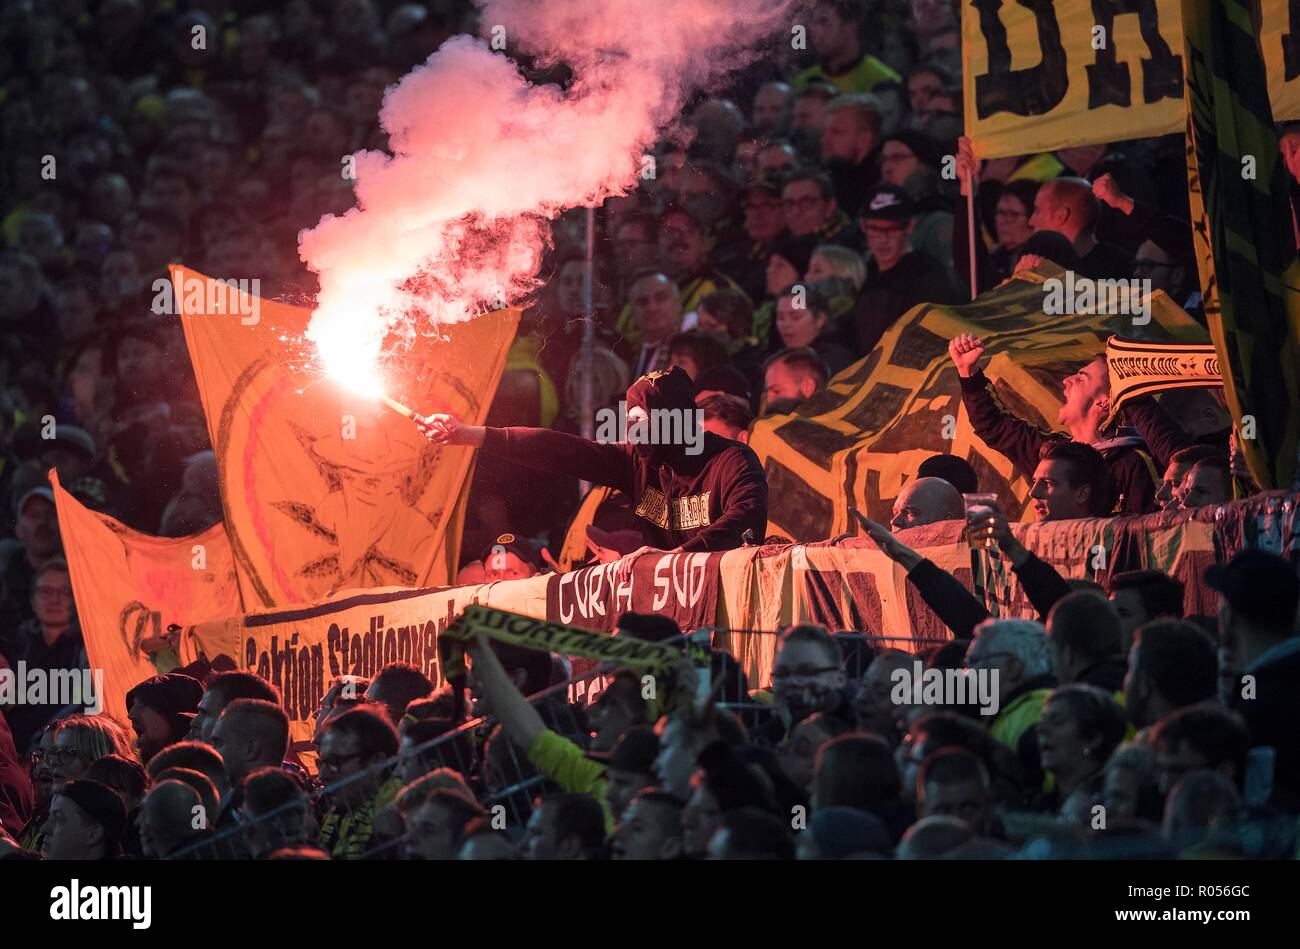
(1086, 406)
(37, 530)
(850, 132)
(684, 250)
(686, 501)
(764, 220)
(162, 710)
(791, 377)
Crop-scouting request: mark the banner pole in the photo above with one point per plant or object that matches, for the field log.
(588, 334)
(970, 235)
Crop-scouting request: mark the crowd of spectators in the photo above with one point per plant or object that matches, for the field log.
(1119, 728)
(804, 210)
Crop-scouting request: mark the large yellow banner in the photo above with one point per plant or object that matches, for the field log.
(130, 587)
(1039, 75)
(325, 490)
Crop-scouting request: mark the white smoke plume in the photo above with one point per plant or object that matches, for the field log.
(457, 217)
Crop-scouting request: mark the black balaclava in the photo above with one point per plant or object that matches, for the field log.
(669, 389)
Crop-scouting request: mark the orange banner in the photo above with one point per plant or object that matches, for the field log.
(130, 587)
(325, 490)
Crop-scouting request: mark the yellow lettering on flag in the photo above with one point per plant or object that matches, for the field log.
(325, 490)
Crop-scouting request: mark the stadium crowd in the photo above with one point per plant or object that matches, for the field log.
(804, 210)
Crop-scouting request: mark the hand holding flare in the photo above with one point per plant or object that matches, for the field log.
(444, 429)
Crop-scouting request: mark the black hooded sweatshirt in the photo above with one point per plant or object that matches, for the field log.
(695, 502)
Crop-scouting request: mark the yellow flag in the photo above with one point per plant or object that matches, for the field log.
(325, 490)
(1039, 75)
(129, 587)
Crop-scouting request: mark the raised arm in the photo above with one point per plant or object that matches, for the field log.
(1000, 430)
(539, 448)
(955, 605)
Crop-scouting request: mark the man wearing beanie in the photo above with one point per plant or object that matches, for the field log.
(161, 710)
(701, 495)
(87, 820)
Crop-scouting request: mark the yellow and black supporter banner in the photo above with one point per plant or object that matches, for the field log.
(1041, 75)
(861, 439)
(1243, 228)
(844, 584)
(641, 656)
(1139, 368)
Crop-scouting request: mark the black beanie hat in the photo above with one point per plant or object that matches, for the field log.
(168, 694)
(104, 806)
(665, 389)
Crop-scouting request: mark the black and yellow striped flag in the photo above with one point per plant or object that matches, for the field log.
(858, 441)
(1245, 243)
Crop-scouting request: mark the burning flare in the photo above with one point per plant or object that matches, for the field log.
(456, 219)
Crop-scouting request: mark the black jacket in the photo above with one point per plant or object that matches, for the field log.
(961, 611)
(887, 295)
(700, 502)
(1106, 674)
(1131, 473)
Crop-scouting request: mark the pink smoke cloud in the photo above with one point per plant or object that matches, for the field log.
(456, 219)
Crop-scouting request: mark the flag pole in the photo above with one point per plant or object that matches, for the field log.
(970, 234)
(588, 333)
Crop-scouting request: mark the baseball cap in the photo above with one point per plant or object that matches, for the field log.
(30, 442)
(762, 184)
(1258, 585)
(887, 203)
(724, 378)
(513, 543)
(38, 492)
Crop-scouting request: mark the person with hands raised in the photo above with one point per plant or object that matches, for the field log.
(952, 602)
(1084, 412)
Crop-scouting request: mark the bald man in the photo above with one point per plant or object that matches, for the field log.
(1067, 206)
(949, 597)
(926, 501)
(171, 817)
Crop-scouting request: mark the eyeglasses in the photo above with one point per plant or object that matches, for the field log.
(336, 762)
(801, 675)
